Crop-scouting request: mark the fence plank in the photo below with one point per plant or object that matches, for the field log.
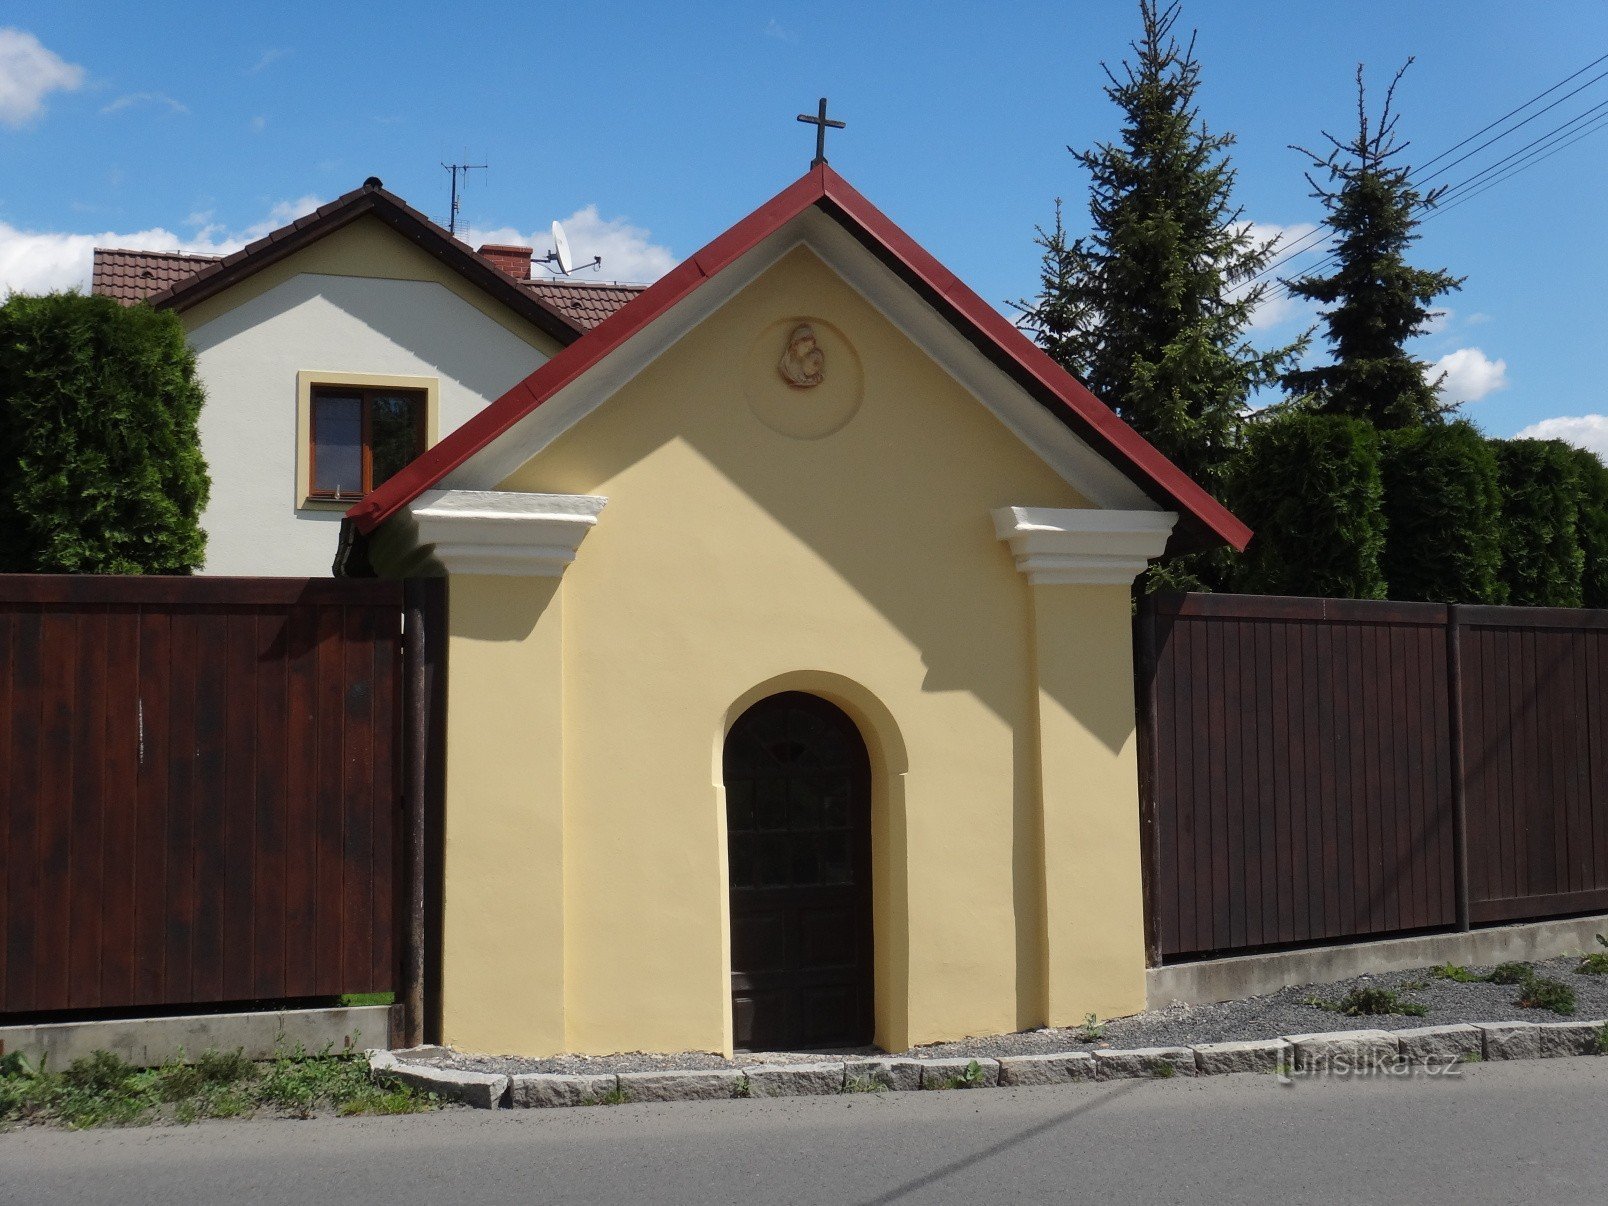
(200, 788)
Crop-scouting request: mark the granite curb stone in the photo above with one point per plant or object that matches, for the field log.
(899, 1075)
(715, 1085)
(1145, 1061)
(1511, 1040)
(540, 1090)
(1267, 1055)
(482, 1090)
(1351, 1050)
(1569, 1038)
(794, 1080)
(1046, 1069)
(941, 1073)
(1440, 1044)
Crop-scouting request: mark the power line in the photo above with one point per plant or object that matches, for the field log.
(1599, 124)
(1520, 125)
(1551, 135)
(1510, 113)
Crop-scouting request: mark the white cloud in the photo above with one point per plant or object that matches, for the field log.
(145, 98)
(1583, 431)
(40, 261)
(259, 124)
(1470, 375)
(628, 252)
(1278, 306)
(780, 32)
(28, 73)
(268, 59)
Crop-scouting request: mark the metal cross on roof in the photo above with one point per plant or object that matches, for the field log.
(820, 121)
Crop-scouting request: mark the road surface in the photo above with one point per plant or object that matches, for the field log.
(1500, 1133)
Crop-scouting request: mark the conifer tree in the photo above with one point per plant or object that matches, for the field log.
(1152, 309)
(1375, 300)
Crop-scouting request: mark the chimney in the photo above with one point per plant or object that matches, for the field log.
(515, 261)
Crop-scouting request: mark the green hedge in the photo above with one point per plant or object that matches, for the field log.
(1591, 525)
(1309, 486)
(1442, 506)
(1542, 562)
(100, 461)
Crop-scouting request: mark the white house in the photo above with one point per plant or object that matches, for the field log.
(334, 351)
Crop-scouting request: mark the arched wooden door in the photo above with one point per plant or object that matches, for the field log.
(798, 820)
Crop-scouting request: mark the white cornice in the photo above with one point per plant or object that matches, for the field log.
(1055, 545)
(486, 532)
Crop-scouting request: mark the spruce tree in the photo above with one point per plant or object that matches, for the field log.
(1152, 309)
(1375, 300)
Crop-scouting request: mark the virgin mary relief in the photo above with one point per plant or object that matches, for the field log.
(803, 363)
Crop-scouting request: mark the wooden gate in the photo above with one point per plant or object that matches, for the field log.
(201, 789)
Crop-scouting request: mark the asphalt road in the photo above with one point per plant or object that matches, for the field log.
(1501, 1133)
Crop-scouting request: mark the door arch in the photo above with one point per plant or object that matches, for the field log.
(798, 825)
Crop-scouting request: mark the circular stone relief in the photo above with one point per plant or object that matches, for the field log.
(802, 378)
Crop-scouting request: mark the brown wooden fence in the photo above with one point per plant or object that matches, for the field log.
(1321, 770)
(201, 790)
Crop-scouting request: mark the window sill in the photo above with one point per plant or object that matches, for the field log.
(327, 504)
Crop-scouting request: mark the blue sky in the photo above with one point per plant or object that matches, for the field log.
(651, 128)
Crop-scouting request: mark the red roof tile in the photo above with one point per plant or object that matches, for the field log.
(586, 303)
(132, 276)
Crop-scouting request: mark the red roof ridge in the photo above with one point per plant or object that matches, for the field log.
(974, 318)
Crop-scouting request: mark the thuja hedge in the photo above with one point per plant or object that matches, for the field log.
(100, 461)
(1542, 561)
(1591, 524)
(1309, 486)
(1442, 500)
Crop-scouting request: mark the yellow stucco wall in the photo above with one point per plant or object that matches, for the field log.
(367, 247)
(733, 562)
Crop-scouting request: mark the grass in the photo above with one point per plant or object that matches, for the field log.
(354, 1000)
(101, 1090)
(1511, 973)
(1370, 1002)
(1602, 1039)
(863, 1084)
(1160, 1068)
(1455, 972)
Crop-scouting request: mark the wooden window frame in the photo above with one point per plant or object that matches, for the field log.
(362, 385)
(364, 395)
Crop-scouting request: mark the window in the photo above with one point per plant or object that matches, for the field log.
(359, 437)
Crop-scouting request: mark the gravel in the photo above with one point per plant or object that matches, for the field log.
(1288, 1011)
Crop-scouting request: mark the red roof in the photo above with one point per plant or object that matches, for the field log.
(586, 303)
(1202, 519)
(132, 276)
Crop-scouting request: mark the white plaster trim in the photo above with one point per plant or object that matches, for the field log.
(1079, 465)
(490, 532)
(1058, 545)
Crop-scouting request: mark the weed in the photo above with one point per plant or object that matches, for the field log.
(1511, 973)
(971, 1078)
(863, 1084)
(1092, 1030)
(615, 1096)
(1542, 993)
(1455, 972)
(1594, 963)
(1602, 1039)
(1413, 985)
(743, 1088)
(1160, 1069)
(1472, 1057)
(1370, 1002)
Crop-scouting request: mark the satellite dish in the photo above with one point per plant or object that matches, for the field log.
(561, 250)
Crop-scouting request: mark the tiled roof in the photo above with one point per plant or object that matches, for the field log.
(131, 276)
(586, 303)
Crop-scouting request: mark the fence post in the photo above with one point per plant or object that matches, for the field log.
(1145, 718)
(424, 682)
(1454, 703)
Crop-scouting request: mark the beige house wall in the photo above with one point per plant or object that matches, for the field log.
(733, 561)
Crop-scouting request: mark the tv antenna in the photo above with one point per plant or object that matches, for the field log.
(455, 168)
(562, 256)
